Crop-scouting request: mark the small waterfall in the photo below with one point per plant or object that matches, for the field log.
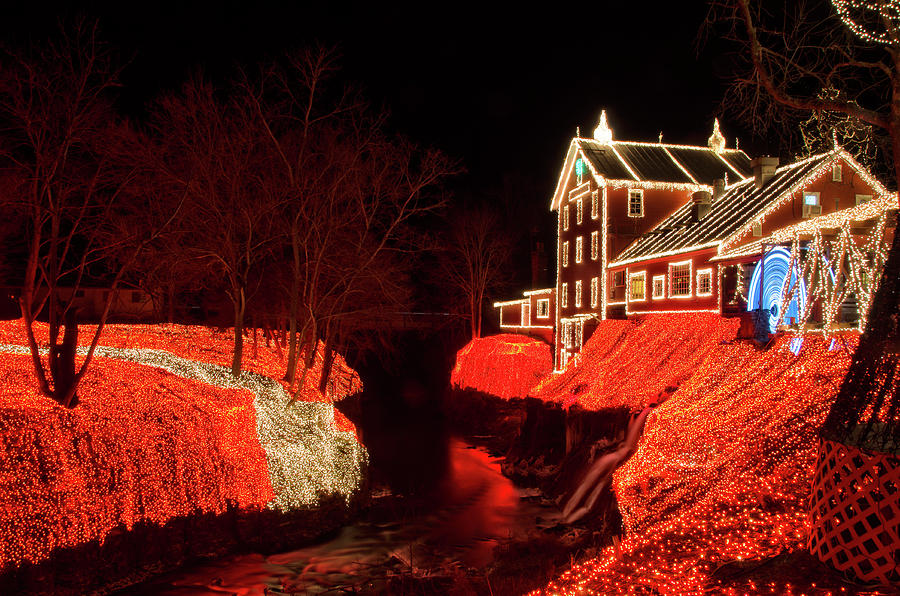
(599, 475)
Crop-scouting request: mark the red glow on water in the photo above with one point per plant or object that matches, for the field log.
(505, 365)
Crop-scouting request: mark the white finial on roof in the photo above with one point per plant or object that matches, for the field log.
(716, 141)
(603, 132)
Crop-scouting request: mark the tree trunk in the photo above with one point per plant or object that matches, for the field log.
(170, 304)
(238, 332)
(63, 364)
(326, 365)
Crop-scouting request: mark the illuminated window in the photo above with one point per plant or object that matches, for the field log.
(757, 229)
(543, 308)
(704, 282)
(579, 248)
(811, 204)
(595, 245)
(595, 204)
(579, 215)
(579, 170)
(635, 202)
(619, 278)
(595, 291)
(565, 253)
(860, 199)
(836, 172)
(680, 279)
(564, 295)
(637, 286)
(578, 294)
(659, 286)
(565, 217)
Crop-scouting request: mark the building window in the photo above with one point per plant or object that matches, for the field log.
(564, 295)
(860, 199)
(637, 286)
(811, 204)
(578, 294)
(579, 214)
(836, 172)
(659, 286)
(565, 253)
(704, 282)
(595, 204)
(595, 245)
(579, 170)
(635, 202)
(579, 248)
(757, 229)
(543, 308)
(565, 217)
(680, 279)
(595, 291)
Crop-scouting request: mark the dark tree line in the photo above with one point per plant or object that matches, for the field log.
(281, 190)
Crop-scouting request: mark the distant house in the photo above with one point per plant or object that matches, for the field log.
(655, 227)
(127, 304)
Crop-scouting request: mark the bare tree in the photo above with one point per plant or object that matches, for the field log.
(476, 252)
(67, 154)
(349, 195)
(210, 146)
(839, 57)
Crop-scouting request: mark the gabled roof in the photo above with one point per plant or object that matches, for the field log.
(837, 219)
(738, 208)
(652, 164)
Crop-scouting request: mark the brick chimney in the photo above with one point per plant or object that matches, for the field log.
(763, 169)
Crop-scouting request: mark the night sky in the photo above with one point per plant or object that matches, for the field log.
(500, 89)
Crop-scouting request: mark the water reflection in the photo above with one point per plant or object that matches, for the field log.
(458, 525)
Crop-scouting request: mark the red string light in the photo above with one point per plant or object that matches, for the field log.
(505, 365)
(143, 445)
(723, 470)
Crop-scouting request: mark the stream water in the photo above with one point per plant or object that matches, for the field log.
(451, 530)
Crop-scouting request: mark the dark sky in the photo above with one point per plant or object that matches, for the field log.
(500, 88)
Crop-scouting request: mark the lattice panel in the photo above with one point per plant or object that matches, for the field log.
(856, 513)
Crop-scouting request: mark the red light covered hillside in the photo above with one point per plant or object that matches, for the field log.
(505, 365)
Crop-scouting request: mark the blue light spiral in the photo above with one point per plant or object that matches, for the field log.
(766, 283)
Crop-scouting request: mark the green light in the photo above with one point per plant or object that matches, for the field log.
(579, 168)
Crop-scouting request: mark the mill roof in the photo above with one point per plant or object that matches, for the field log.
(641, 163)
(740, 206)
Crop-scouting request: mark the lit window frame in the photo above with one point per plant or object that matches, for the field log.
(636, 192)
(701, 273)
(579, 210)
(578, 292)
(565, 253)
(579, 249)
(629, 293)
(595, 292)
(860, 199)
(595, 245)
(836, 173)
(564, 295)
(542, 305)
(659, 281)
(690, 279)
(595, 204)
(565, 218)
